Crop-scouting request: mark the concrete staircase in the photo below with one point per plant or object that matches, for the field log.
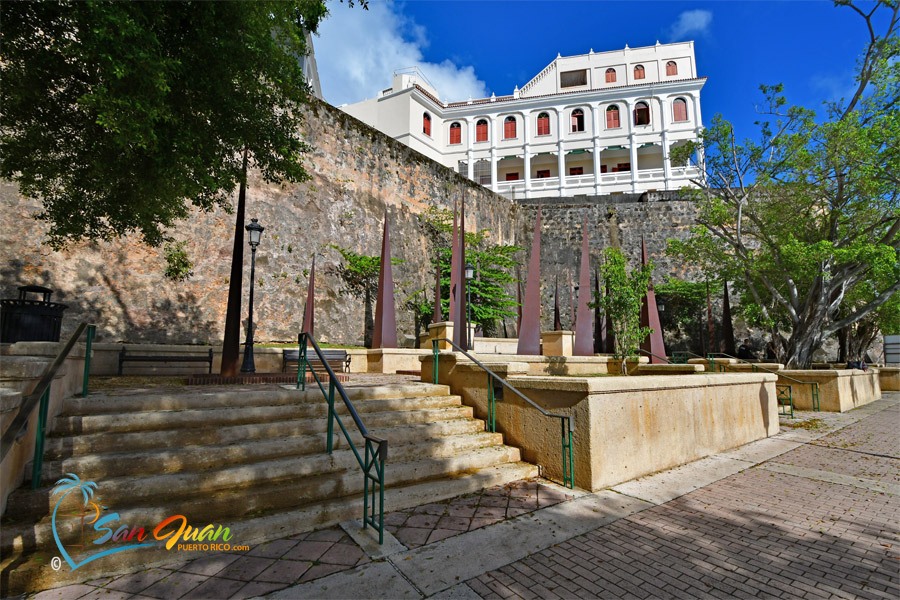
(252, 461)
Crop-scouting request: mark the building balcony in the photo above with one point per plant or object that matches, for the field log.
(645, 180)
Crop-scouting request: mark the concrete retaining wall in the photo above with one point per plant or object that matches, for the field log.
(840, 390)
(889, 379)
(626, 427)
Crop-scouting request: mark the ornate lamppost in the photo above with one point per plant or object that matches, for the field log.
(470, 275)
(254, 229)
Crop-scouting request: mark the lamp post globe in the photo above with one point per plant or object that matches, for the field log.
(254, 231)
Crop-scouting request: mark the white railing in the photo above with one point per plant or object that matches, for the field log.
(544, 183)
(650, 174)
(508, 186)
(685, 172)
(622, 177)
(579, 180)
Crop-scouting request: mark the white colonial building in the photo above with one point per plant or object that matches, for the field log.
(597, 123)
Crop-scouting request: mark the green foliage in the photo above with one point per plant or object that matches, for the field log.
(359, 273)
(802, 217)
(494, 265)
(121, 116)
(179, 266)
(623, 303)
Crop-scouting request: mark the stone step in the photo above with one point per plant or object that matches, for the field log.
(151, 500)
(20, 573)
(206, 417)
(239, 398)
(441, 424)
(215, 456)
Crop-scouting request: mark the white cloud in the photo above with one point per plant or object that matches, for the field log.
(358, 50)
(690, 24)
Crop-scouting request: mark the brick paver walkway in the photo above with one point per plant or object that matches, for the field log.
(755, 534)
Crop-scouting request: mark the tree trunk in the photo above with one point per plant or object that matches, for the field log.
(842, 335)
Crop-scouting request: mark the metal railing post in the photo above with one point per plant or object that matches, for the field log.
(37, 463)
(91, 330)
(331, 415)
(301, 363)
(492, 407)
(434, 360)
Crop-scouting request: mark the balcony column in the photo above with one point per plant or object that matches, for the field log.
(667, 165)
(470, 140)
(526, 155)
(493, 134)
(595, 113)
(561, 158)
(698, 129)
(632, 145)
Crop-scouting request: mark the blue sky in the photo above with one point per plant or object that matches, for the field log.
(476, 48)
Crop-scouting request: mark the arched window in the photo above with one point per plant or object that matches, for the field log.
(455, 133)
(671, 68)
(509, 128)
(577, 120)
(679, 108)
(639, 72)
(612, 117)
(543, 124)
(610, 75)
(481, 130)
(426, 124)
(641, 114)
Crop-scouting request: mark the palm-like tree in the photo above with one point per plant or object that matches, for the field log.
(70, 484)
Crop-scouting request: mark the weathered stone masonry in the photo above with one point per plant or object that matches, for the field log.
(358, 175)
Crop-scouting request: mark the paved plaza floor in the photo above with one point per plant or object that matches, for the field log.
(813, 512)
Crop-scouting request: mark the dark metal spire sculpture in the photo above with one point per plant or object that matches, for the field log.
(385, 334)
(653, 343)
(530, 329)
(310, 308)
(584, 328)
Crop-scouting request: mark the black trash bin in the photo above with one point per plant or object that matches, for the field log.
(24, 320)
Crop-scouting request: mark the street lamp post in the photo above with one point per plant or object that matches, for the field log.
(254, 229)
(470, 275)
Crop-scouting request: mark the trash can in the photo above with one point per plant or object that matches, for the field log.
(24, 320)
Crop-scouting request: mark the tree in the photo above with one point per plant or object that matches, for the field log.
(622, 303)
(685, 303)
(359, 274)
(494, 265)
(121, 116)
(802, 217)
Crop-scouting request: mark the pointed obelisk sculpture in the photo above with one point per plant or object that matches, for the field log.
(231, 344)
(709, 321)
(557, 322)
(584, 328)
(310, 308)
(454, 268)
(599, 321)
(460, 324)
(727, 326)
(530, 329)
(437, 316)
(385, 334)
(653, 343)
(610, 332)
(519, 301)
(571, 302)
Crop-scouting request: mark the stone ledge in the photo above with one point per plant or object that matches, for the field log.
(630, 384)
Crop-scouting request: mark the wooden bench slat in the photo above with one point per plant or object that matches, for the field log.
(125, 357)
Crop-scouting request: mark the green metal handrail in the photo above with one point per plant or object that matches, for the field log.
(567, 423)
(40, 395)
(785, 397)
(376, 448)
(648, 353)
(814, 385)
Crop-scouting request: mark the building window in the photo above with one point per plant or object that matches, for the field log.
(671, 68)
(641, 114)
(639, 72)
(576, 170)
(680, 109)
(603, 168)
(610, 75)
(543, 174)
(509, 128)
(512, 176)
(482, 172)
(612, 117)
(481, 129)
(462, 168)
(455, 133)
(577, 120)
(622, 167)
(426, 124)
(569, 79)
(543, 124)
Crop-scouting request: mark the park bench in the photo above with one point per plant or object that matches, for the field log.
(338, 360)
(125, 357)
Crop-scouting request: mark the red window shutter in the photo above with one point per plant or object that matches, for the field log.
(543, 174)
(574, 122)
(603, 168)
(512, 176)
(455, 135)
(576, 171)
(481, 132)
(680, 110)
(544, 126)
(509, 129)
(610, 119)
(671, 68)
(610, 76)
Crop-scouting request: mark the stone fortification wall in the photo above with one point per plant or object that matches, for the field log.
(358, 176)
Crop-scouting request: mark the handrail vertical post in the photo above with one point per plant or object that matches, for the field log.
(301, 363)
(382, 452)
(331, 415)
(91, 330)
(434, 361)
(37, 463)
(492, 407)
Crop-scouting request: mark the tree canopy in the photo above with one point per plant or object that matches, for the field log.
(121, 116)
(811, 210)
